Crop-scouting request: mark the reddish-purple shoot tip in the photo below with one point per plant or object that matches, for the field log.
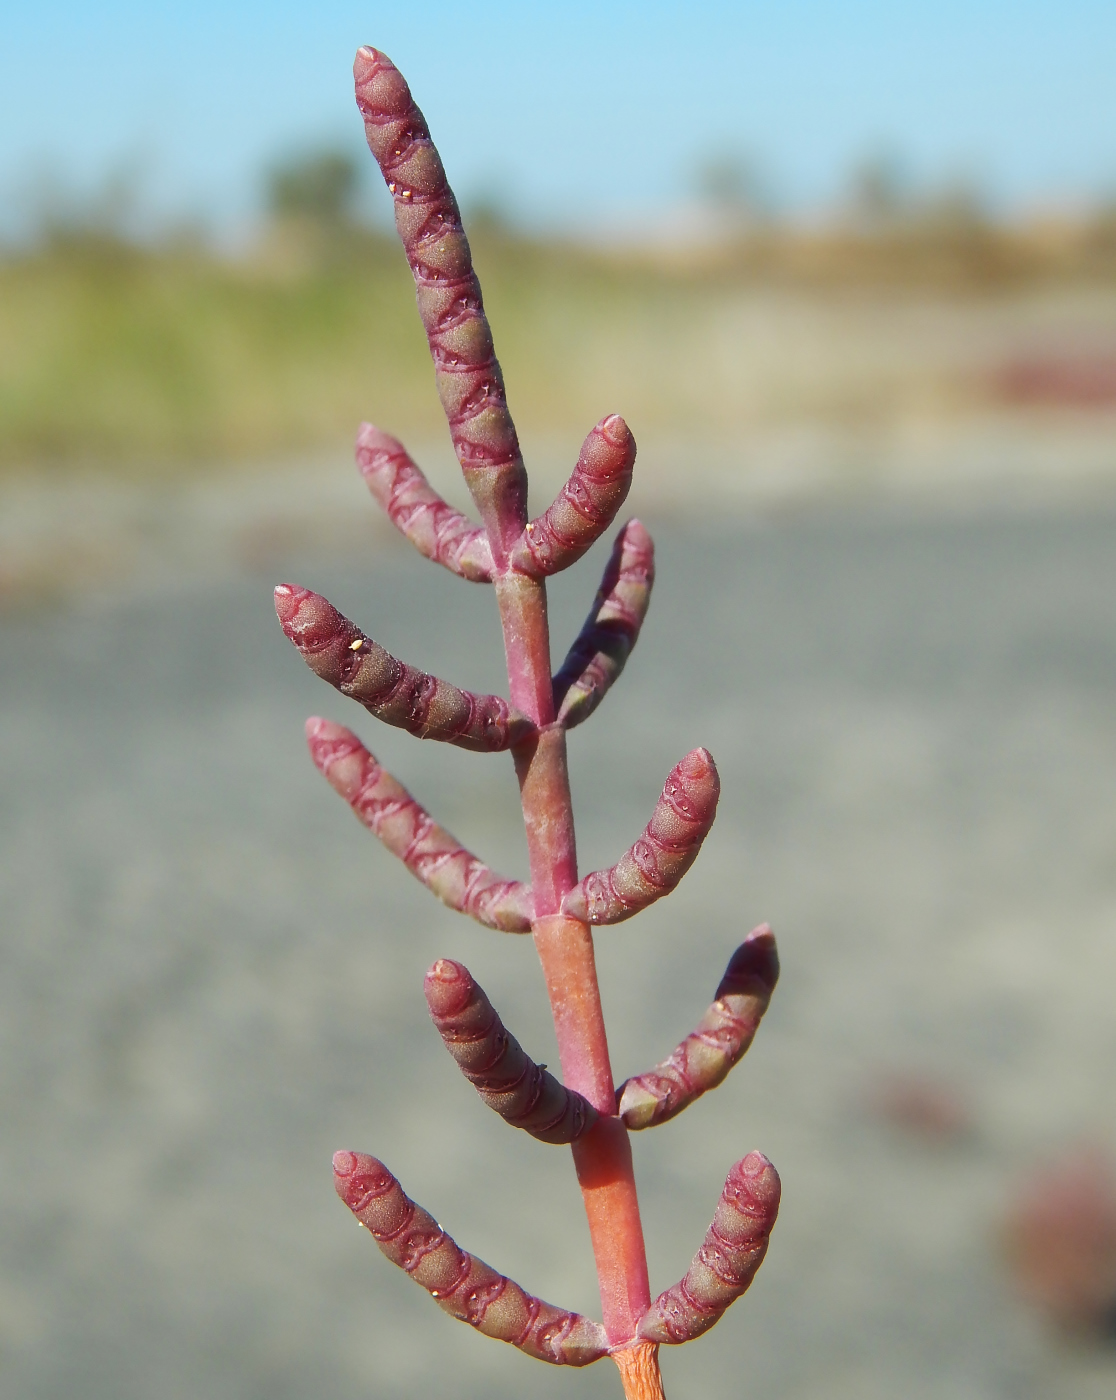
(448, 987)
(307, 619)
(381, 88)
(755, 961)
(287, 599)
(697, 765)
(359, 1179)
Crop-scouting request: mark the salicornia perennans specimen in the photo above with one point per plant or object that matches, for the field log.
(516, 555)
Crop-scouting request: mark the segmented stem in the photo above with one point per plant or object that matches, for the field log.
(610, 631)
(668, 847)
(585, 507)
(338, 651)
(428, 851)
(460, 1283)
(727, 1261)
(719, 1040)
(523, 1093)
(468, 376)
(432, 525)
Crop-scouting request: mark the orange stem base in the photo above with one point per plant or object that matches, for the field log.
(639, 1370)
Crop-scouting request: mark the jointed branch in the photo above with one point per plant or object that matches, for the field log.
(524, 1094)
(428, 851)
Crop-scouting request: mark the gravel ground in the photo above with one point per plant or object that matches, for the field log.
(211, 976)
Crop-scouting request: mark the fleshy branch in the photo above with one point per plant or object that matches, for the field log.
(586, 506)
(338, 651)
(719, 1040)
(434, 527)
(610, 631)
(662, 855)
(428, 851)
(523, 1093)
(727, 1261)
(460, 1283)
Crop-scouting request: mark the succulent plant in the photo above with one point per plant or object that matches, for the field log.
(516, 555)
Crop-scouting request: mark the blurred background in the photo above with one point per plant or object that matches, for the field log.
(849, 273)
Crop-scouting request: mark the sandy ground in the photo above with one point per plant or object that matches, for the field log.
(211, 976)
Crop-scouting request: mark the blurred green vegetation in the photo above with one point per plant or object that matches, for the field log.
(118, 354)
(109, 352)
(144, 358)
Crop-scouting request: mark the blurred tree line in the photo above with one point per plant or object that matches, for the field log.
(323, 186)
(121, 349)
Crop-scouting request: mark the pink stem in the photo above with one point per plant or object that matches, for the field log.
(603, 1156)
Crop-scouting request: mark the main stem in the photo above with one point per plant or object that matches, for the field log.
(603, 1157)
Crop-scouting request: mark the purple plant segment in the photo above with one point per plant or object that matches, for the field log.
(461, 1284)
(517, 557)
(720, 1039)
(523, 1093)
(433, 526)
(662, 855)
(468, 376)
(428, 851)
(335, 649)
(585, 507)
(727, 1261)
(606, 640)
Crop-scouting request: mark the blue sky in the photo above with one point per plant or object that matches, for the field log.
(575, 113)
